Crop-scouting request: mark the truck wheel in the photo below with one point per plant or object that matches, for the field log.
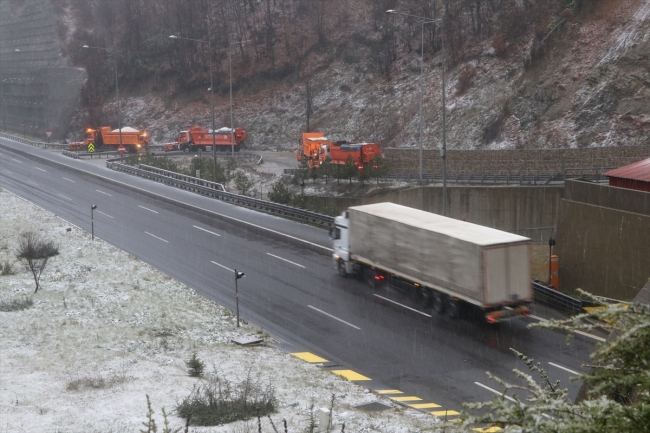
(186, 149)
(453, 308)
(425, 296)
(341, 268)
(438, 302)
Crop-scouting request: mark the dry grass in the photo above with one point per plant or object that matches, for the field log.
(16, 304)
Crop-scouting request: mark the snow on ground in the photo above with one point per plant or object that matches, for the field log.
(102, 314)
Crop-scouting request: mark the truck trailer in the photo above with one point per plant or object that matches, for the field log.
(339, 152)
(448, 264)
(132, 139)
(196, 137)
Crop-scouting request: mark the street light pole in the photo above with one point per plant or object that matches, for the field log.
(92, 220)
(443, 151)
(117, 89)
(238, 275)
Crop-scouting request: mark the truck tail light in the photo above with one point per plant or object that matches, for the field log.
(491, 319)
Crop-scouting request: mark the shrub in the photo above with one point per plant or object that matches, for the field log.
(36, 251)
(280, 194)
(465, 79)
(242, 182)
(16, 304)
(6, 268)
(195, 367)
(217, 401)
(500, 45)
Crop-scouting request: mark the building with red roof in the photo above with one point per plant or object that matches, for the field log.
(634, 176)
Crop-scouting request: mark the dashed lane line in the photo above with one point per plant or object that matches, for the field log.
(69, 180)
(333, 317)
(105, 214)
(595, 337)
(208, 231)
(38, 168)
(309, 357)
(14, 159)
(105, 193)
(33, 183)
(403, 306)
(388, 391)
(225, 267)
(495, 391)
(157, 237)
(146, 208)
(351, 375)
(424, 405)
(288, 261)
(406, 398)
(67, 198)
(564, 368)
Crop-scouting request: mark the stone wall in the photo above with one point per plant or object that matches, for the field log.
(603, 239)
(514, 162)
(38, 91)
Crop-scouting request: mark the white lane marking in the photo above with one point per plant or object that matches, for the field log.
(40, 169)
(402, 305)
(157, 237)
(225, 267)
(564, 368)
(19, 162)
(8, 172)
(67, 198)
(333, 317)
(495, 391)
(147, 209)
(33, 183)
(595, 337)
(69, 180)
(288, 261)
(197, 227)
(105, 214)
(150, 193)
(102, 192)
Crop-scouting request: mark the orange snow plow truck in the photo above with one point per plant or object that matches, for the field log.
(132, 139)
(315, 149)
(195, 137)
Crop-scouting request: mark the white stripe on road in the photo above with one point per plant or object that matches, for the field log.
(19, 162)
(495, 391)
(69, 180)
(225, 267)
(288, 261)
(333, 317)
(595, 337)
(145, 208)
(67, 198)
(102, 192)
(213, 233)
(402, 305)
(33, 183)
(105, 214)
(564, 368)
(40, 169)
(156, 237)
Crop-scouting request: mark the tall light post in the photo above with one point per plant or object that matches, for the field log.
(92, 220)
(443, 151)
(238, 275)
(214, 143)
(232, 128)
(117, 89)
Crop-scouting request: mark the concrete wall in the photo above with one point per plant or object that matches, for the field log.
(505, 208)
(38, 91)
(603, 239)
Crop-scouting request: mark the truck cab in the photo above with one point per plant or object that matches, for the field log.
(341, 243)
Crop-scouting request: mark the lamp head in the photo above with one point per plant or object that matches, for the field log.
(93, 206)
(173, 37)
(390, 11)
(240, 275)
(85, 46)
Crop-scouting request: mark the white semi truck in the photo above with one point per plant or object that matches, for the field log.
(447, 263)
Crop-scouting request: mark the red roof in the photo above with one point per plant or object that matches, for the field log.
(639, 170)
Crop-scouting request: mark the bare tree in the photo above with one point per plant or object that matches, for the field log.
(35, 251)
(308, 99)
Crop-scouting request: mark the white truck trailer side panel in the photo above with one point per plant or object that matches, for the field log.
(507, 273)
(440, 251)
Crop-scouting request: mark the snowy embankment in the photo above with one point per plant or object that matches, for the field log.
(105, 330)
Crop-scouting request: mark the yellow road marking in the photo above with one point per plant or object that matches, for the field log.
(444, 412)
(487, 430)
(424, 405)
(388, 391)
(308, 357)
(409, 398)
(350, 375)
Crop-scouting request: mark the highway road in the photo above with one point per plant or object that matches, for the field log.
(290, 288)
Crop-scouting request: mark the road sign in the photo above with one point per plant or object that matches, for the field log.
(48, 134)
(91, 147)
(121, 149)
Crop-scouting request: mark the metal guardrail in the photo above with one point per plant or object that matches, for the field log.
(220, 155)
(489, 179)
(548, 295)
(75, 154)
(33, 143)
(182, 177)
(211, 189)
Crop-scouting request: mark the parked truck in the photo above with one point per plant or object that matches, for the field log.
(340, 151)
(132, 139)
(448, 264)
(309, 148)
(196, 137)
